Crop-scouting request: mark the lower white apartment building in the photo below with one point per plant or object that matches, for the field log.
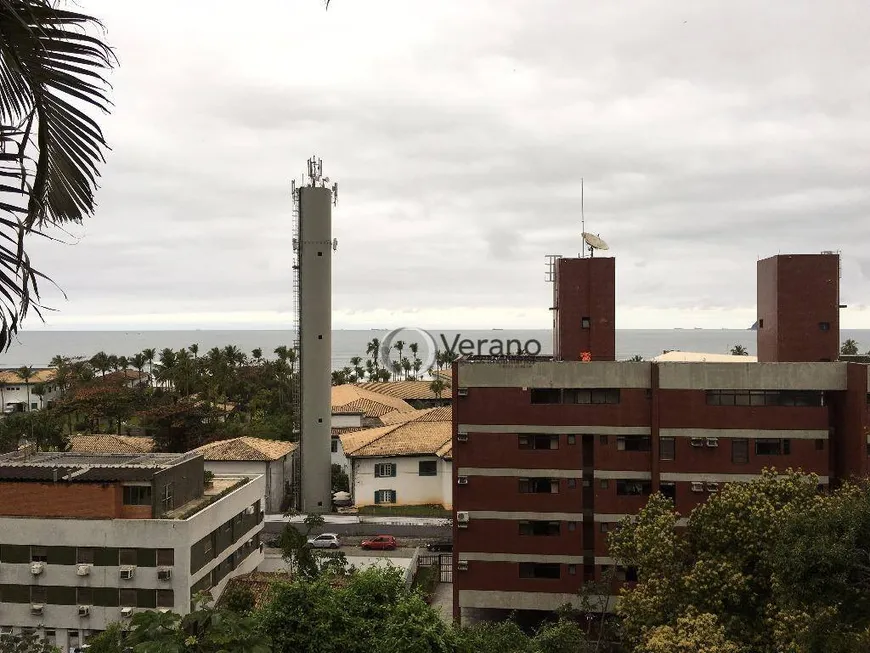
(88, 540)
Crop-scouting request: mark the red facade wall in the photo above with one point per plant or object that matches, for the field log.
(65, 500)
(585, 288)
(505, 577)
(502, 493)
(796, 293)
(502, 450)
(481, 533)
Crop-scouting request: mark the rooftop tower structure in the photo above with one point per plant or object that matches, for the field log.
(312, 289)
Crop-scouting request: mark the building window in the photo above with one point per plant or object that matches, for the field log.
(602, 439)
(585, 323)
(572, 483)
(165, 557)
(385, 496)
(540, 528)
(592, 396)
(385, 470)
(546, 396)
(820, 445)
(604, 527)
(633, 443)
(334, 445)
(740, 451)
(127, 598)
(127, 557)
(772, 447)
(34, 406)
(539, 485)
(165, 599)
(572, 526)
(539, 570)
(669, 490)
(633, 488)
(824, 326)
(803, 398)
(38, 594)
(428, 468)
(603, 484)
(760, 323)
(84, 596)
(168, 501)
(667, 448)
(38, 554)
(529, 441)
(572, 569)
(572, 439)
(84, 556)
(135, 495)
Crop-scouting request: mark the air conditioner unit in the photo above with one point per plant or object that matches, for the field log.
(462, 437)
(164, 610)
(697, 442)
(462, 392)
(37, 568)
(127, 573)
(164, 574)
(462, 517)
(126, 612)
(712, 442)
(462, 565)
(712, 487)
(84, 610)
(83, 570)
(697, 486)
(462, 480)
(249, 510)
(37, 608)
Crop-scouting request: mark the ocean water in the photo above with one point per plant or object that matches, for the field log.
(37, 348)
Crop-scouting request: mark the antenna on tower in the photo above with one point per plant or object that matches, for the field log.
(582, 216)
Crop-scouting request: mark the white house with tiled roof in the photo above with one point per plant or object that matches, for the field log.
(406, 462)
(18, 396)
(277, 460)
(349, 398)
(417, 393)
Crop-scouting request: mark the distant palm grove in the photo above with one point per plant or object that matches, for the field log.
(181, 398)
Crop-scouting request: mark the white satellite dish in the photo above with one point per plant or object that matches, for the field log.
(594, 242)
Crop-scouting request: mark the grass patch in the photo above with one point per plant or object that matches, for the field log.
(405, 511)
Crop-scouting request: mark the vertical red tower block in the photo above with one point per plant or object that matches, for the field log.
(584, 309)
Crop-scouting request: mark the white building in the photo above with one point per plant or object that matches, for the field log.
(88, 540)
(16, 395)
(275, 460)
(408, 462)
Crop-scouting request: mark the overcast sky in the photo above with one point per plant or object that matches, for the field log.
(709, 134)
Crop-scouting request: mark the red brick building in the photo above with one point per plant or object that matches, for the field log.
(551, 453)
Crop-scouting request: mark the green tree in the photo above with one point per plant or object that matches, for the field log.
(849, 347)
(340, 480)
(693, 633)
(239, 599)
(28, 643)
(305, 561)
(739, 350)
(437, 386)
(51, 83)
(26, 373)
(150, 354)
(493, 637)
(637, 358)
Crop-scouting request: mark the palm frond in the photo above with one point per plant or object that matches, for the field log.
(51, 75)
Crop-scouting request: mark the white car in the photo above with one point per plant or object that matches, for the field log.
(325, 541)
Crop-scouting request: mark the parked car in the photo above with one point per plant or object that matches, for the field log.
(380, 543)
(325, 541)
(441, 545)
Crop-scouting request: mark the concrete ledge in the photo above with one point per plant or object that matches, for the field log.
(524, 600)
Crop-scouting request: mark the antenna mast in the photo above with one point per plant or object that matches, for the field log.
(582, 218)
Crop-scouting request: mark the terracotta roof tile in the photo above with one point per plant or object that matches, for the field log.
(10, 377)
(246, 448)
(348, 397)
(426, 432)
(406, 389)
(109, 443)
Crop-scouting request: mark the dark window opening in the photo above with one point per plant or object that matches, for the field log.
(602, 439)
(334, 445)
(626, 574)
(772, 447)
(165, 599)
(585, 323)
(633, 488)
(824, 326)
(760, 323)
(603, 484)
(740, 451)
(137, 495)
(127, 598)
(633, 443)
(540, 570)
(539, 485)
(572, 439)
(667, 448)
(669, 490)
(801, 398)
(38, 554)
(528, 441)
(127, 557)
(572, 483)
(84, 556)
(165, 557)
(38, 594)
(546, 396)
(820, 445)
(428, 468)
(84, 596)
(546, 528)
(595, 396)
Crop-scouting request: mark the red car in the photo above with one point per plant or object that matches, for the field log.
(380, 543)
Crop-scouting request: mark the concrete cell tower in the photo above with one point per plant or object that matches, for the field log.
(313, 247)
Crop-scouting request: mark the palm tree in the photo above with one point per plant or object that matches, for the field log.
(358, 370)
(194, 349)
(150, 354)
(138, 361)
(739, 350)
(257, 353)
(52, 78)
(25, 373)
(101, 362)
(849, 347)
(637, 358)
(399, 346)
(437, 387)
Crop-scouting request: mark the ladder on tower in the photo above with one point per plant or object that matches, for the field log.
(296, 377)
